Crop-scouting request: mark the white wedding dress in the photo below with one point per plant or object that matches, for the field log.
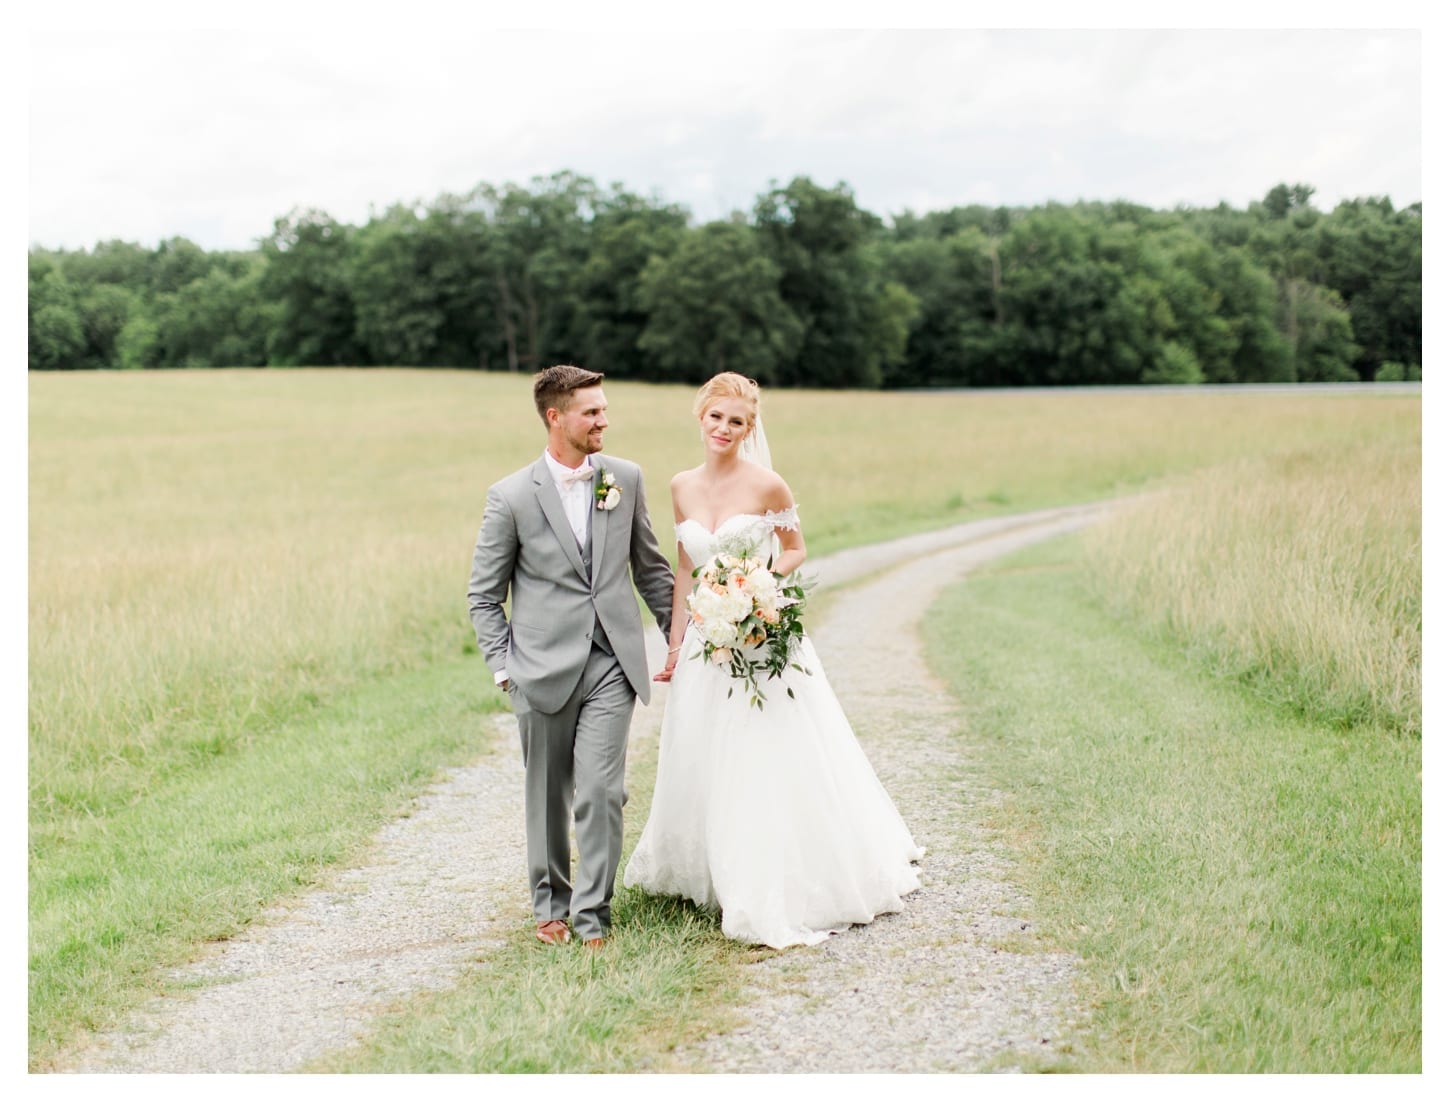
(773, 817)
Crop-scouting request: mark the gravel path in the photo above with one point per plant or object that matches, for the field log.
(938, 987)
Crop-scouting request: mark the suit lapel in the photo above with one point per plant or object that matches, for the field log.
(553, 509)
(598, 522)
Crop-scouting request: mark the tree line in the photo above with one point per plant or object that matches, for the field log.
(807, 289)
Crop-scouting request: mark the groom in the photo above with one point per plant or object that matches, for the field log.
(567, 535)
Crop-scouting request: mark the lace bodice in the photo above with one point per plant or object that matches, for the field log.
(743, 534)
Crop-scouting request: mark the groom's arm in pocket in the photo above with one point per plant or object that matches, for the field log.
(494, 555)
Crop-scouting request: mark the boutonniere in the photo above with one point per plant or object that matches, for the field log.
(606, 494)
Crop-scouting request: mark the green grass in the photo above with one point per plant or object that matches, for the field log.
(197, 856)
(664, 975)
(1242, 884)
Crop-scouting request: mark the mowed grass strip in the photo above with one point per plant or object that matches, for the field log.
(666, 977)
(1242, 883)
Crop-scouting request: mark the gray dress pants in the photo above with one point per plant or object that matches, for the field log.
(574, 759)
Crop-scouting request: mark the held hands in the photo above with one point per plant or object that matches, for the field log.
(669, 671)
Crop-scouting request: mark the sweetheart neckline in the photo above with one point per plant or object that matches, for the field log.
(727, 520)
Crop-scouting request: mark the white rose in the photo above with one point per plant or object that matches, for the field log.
(760, 583)
(611, 499)
(705, 602)
(737, 604)
(718, 631)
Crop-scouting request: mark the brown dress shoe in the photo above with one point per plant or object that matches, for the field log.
(553, 932)
(594, 943)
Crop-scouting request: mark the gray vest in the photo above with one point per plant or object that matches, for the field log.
(601, 639)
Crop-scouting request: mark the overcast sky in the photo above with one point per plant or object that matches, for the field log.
(142, 135)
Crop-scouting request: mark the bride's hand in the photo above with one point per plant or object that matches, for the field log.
(669, 670)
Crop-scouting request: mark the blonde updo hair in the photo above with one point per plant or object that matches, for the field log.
(728, 384)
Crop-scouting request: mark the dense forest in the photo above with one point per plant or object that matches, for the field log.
(808, 289)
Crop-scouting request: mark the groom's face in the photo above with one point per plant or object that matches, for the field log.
(582, 425)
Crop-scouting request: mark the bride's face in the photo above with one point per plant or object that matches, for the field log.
(724, 424)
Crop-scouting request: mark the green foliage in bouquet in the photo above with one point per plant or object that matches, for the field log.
(751, 619)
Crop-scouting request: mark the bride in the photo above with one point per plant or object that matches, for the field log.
(772, 816)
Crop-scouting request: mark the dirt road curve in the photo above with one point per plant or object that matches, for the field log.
(938, 987)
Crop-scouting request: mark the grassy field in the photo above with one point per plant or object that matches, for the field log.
(1206, 715)
(1297, 573)
(249, 584)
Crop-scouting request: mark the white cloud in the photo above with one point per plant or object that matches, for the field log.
(212, 135)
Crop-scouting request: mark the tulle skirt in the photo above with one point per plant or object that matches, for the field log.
(774, 816)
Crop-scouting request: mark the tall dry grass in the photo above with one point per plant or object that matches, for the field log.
(210, 550)
(208, 553)
(1298, 571)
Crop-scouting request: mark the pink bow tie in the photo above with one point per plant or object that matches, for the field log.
(568, 478)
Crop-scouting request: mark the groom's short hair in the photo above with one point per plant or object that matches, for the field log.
(554, 387)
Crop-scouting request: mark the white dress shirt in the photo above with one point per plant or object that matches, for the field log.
(577, 495)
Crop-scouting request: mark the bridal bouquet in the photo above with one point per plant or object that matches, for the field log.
(749, 618)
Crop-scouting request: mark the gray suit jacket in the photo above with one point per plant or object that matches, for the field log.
(525, 545)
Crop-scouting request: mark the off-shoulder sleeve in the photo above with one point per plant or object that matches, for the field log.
(787, 519)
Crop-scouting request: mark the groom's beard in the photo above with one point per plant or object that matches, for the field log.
(589, 442)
